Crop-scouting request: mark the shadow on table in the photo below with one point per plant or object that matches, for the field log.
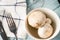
(57, 37)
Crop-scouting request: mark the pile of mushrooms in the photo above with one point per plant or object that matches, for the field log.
(39, 21)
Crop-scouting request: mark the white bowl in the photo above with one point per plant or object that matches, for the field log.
(51, 14)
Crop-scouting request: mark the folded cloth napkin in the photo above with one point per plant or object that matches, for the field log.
(20, 12)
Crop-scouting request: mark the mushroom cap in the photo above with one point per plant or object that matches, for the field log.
(36, 18)
(46, 31)
(48, 20)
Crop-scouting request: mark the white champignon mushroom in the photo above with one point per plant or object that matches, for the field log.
(45, 31)
(36, 18)
(48, 20)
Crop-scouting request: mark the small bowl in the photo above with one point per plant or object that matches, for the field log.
(55, 23)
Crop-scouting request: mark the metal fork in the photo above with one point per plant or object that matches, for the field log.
(11, 24)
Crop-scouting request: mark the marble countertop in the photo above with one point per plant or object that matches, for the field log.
(51, 4)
